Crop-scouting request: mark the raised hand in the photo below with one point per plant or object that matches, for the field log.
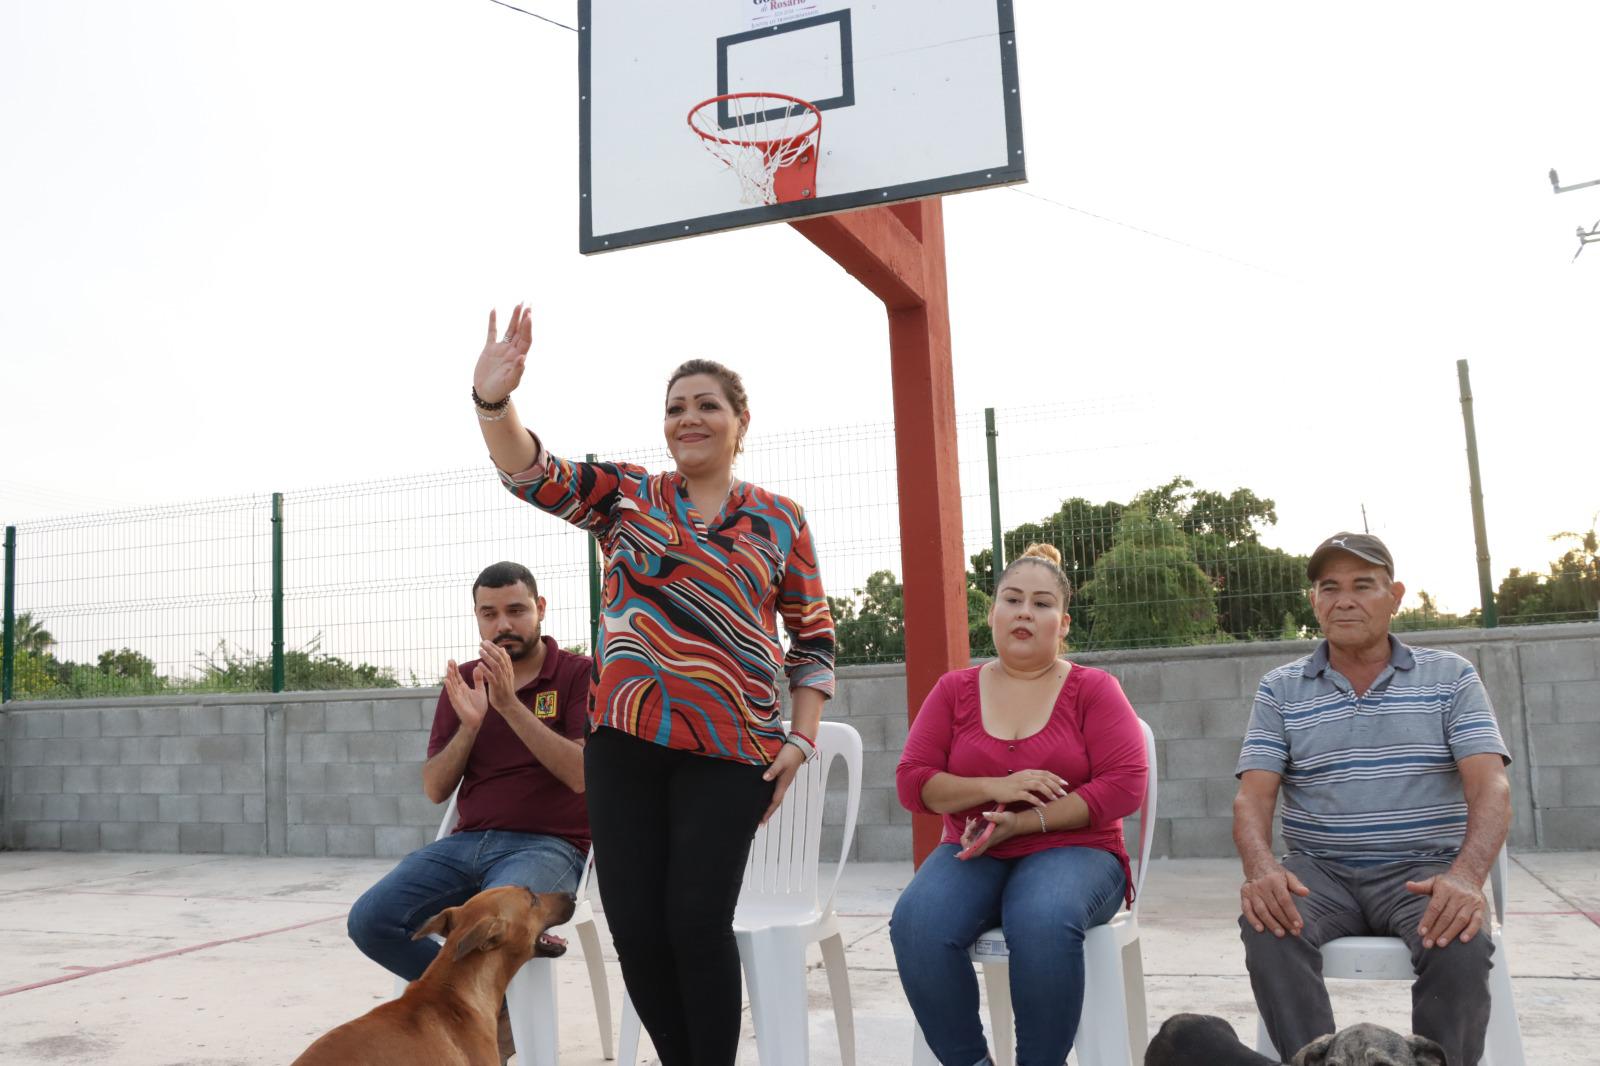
(499, 677)
(471, 702)
(1456, 908)
(499, 368)
(1037, 787)
(1268, 901)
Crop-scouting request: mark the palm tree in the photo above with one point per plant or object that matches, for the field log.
(32, 637)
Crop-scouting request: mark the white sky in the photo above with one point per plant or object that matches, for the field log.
(249, 247)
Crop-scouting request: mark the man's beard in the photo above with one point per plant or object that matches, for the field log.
(518, 648)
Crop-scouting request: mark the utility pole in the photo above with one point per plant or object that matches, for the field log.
(1479, 532)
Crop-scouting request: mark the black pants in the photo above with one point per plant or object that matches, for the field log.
(1450, 998)
(672, 831)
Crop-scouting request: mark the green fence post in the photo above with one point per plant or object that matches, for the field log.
(277, 592)
(594, 588)
(8, 664)
(996, 562)
(1479, 532)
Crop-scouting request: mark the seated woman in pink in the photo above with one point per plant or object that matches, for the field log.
(1033, 761)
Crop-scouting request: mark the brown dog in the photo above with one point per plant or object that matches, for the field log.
(447, 1016)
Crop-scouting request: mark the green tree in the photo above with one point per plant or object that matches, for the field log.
(1521, 597)
(1147, 588)
(230, 669)
(31, 636)
(1081, 531)
(869, 627)
(1426, 615)
(33, 676)
(1571, 591)
(1258, 588)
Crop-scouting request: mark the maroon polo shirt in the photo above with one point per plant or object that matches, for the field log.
(504, 786)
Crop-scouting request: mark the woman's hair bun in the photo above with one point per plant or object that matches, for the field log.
(1047, 552)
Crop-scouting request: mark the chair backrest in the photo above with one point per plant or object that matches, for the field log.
(1147, 815)
(786, 851)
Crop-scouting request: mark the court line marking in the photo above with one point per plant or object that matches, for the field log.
(92, 971)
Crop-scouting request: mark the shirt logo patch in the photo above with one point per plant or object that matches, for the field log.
(544, 705)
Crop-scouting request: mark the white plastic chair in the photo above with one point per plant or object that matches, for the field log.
(780, 913)
(1114, 1030)
(531, 996)
(1387, 958)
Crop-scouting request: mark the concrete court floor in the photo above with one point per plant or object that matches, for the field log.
(144, 959)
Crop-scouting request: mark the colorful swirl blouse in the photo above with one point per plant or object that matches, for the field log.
(688, 651)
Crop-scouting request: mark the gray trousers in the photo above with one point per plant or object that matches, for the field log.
(1449, 999)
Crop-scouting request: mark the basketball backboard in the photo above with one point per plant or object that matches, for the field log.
(916, 98)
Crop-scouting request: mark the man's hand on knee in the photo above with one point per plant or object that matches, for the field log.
(1267, 901)
(1456, 908)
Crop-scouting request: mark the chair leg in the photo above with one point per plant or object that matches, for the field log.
(1503, 1043)
(775, 975)
(844, 1018)
(1133, 998)
(589, 936)
(628, 1043)
(997, 983)
(531, 1000)
(1264, 1039)
(1103, 1034)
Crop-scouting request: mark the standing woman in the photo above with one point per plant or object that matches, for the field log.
(1033, 761)
(687, 754)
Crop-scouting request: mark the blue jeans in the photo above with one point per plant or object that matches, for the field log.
(447, 873)
(1045, 902)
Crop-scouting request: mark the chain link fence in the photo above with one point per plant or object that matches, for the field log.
(1163, 542)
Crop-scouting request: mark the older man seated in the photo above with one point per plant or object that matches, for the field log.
(1395, 805)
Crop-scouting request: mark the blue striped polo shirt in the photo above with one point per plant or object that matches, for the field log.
(1372, 779)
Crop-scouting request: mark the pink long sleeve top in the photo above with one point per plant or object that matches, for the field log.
(1092, 739)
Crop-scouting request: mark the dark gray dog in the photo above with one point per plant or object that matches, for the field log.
(1369, 1045)
(1200, 1040)
(1206, 1040)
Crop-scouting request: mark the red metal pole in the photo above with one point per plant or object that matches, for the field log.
(898, 253)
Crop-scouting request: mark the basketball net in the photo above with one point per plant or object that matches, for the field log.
(769, 132)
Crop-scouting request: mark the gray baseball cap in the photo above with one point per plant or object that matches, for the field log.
(1361, 545)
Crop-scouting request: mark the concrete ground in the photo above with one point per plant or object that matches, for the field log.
(198, 959)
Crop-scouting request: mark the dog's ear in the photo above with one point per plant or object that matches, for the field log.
(1314, 1053)
(440, 923)
(1425, 1052)
(485, 935)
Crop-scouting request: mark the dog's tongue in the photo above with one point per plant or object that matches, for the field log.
(554, 944)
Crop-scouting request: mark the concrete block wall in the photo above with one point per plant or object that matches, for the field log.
(1561, 697)
(152, 777)
(353, 775)
(339, 773)
(333, 774)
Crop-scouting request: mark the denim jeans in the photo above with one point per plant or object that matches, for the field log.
(1045, 902)
(447, 873)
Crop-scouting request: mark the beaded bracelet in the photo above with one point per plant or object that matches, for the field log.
(484, 405)
(1042, 827)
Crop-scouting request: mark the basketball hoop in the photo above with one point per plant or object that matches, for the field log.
(769, 141)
